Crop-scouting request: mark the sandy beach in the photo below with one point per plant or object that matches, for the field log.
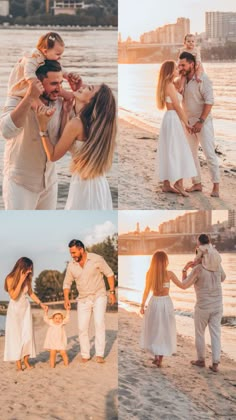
(177, 391)
(138, 186)
(79, 391)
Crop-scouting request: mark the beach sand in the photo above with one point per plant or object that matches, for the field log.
(139, 188)
(79, 391)
(177, 391)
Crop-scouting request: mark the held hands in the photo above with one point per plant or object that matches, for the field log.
(197, 127)
(44, 307)
(67, 304)
(44, 114)
(142, 310)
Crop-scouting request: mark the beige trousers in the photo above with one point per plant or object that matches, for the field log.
(212, 318)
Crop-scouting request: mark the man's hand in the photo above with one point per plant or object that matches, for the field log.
(197, 127)
(35, 89)
(112, 299)
(67, 304)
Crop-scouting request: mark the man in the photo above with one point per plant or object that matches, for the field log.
(208, 310)
(87, 270)
(197, 103)
(30, 181)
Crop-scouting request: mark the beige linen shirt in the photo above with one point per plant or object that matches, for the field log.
(196, 95)
(89, 278)
(207, 286)
(25, 161)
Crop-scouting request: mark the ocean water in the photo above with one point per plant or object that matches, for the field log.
(92, 53)
(137, 101)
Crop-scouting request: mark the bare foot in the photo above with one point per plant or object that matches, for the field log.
(215, 194)
(181, 190)
(214, 367)
(198, 363)
(170, 190)
(194, 187)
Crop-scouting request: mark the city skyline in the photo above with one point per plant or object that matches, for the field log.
(145, 20)
(153, 218)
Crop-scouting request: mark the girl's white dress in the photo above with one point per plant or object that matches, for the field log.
(19, 337)
(56, 335)
(158, 328)
(174, 157)
(88, 194)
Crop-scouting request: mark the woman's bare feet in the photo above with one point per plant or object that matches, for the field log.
(19, 366)
(168, 188)
(158, 361)
(26, 363)
(180, 189)
(214, 367)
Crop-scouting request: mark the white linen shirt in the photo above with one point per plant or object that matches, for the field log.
(89, 278)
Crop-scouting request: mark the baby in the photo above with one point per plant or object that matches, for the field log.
(56, 340)
(51, 47)
(207, 255)
(190, 47)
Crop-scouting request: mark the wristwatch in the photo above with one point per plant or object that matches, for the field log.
(112, 292)
(201, 120)
(43, 133)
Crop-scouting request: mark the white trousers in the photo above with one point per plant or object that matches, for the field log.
(207, 142)
(85, 308)
(212, 318)
(16, 197)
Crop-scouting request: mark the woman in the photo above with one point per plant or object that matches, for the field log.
(92, 134)
(159, 330)
(19, 339)
(175, 160)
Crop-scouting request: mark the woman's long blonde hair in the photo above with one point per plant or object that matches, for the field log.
(166, 75)
(23, 264)
(98, 117)
(157, 273)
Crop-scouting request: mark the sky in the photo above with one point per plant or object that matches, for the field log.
(44, 236)
(137, 16)
(153, 218)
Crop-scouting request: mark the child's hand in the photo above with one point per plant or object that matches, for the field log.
(44, 307)
(75, 81)
(142, 310)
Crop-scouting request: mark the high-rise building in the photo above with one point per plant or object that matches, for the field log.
(4, 7)
(220, 25)
(232, 218)
(168, 34)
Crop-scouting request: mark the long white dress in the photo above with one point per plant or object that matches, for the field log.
(174, 157)
(88, 194)
(19, 336)
(56, 336)
(158, 334)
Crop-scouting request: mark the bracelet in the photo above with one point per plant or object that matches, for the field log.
(112, 292)
(44, 133)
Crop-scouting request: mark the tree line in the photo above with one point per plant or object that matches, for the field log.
(49, 283)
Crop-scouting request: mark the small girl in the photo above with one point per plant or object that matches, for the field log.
(159, 329)
(190, 47)
(56, 340)
(207, 255)
(51, 47)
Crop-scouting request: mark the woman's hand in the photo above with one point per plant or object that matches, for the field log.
(44, 114)
(68, 105)
(24, 274)
(189, 128)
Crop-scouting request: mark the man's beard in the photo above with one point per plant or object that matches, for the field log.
(48, 97)
(78, 259)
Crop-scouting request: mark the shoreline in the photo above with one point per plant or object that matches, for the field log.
(177, 390)
(63, 392)
(139, 187)
(63, 28)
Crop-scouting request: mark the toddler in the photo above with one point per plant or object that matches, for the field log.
(190, 47)
(207, 255)
(51, 47)
(56, 340)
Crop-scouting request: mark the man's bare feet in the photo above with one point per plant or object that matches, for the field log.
(194, 187)
(181, 190)
(169, 189)
(214, 367)
(198, 363)
(215, 190)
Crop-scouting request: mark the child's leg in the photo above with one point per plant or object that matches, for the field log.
(26, 362)
(64, 357)
(180, 188)
(53, 358)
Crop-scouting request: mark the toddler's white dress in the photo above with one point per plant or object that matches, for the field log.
(56, 335)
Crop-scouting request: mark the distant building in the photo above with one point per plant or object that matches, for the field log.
(4, 7)
(221, 25)
(69, 7)
(168, 34)
(194, 222)
(232, 218)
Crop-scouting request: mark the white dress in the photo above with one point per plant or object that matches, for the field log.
(19, 337)
(158, 334)
(56, 335)
(174, 157)
(88, 194)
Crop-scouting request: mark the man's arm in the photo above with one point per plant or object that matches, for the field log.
(66, 288)
(107, 271)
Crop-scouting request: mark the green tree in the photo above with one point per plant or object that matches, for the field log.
(49, 285)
